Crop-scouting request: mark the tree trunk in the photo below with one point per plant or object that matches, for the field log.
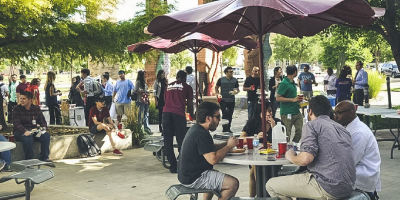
(214, 72)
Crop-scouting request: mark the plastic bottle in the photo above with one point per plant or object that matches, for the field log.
(256, 141)
(278, 135)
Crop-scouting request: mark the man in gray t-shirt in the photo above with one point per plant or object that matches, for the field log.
(326, 150)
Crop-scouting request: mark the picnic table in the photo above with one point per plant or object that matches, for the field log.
(264, 169)
(373, 111)
(396, 137)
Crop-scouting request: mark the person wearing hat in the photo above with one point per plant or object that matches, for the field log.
(100, 122)
(121, 89)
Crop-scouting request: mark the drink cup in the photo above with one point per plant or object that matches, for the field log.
(282, 148)
(120, 126)
(219, 98)
(356, 105)
(249, 142)
(301, 97)
(11, 138)
(240, 144)
(253, 87)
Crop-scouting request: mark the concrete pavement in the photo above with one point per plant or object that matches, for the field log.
(139, 175)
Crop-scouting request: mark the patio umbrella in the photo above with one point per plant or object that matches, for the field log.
(194, 43)
(234, 19)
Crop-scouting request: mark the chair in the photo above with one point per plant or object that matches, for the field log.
(23, 164)
(176, 190)
(288, 170)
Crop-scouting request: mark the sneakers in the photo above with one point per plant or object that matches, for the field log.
(2, 165)
(117, 152)
(120, 135)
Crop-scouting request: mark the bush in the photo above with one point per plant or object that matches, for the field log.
(375, 82)
(133, 124)
(153, 112)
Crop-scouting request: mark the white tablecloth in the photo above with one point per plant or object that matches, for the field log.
(5, 146)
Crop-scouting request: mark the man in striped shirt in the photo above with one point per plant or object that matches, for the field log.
(327, 151)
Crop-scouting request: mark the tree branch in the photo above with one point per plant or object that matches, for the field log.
(9, 42)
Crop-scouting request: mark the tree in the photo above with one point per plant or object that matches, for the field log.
(230, 55)
(180, 60)
(298, 49)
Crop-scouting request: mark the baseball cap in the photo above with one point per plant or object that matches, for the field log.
(121, 72)
(99, 99)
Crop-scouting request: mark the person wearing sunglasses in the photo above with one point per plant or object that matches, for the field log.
(366, 151)
(229, 87)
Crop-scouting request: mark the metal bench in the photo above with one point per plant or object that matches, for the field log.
(29, 177)
(23, 164)
(176, 190)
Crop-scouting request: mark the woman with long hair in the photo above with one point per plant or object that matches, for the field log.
(273, 87)
(142, 102)
(159, 88)
(34, 89)
(343, 85)
(254, 127)
(74, 96)
(51, 99)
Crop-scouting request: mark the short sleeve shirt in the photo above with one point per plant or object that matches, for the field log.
(306, 76)
(21, 87)
(122, 88)
(192, 163)
(343, 88)
(252, 94)
(13, 93)
(287, 89)
(175, 97)
(100, 115)
(227, 85)
(4, 89)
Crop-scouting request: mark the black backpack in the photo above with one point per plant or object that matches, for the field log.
(87, 146)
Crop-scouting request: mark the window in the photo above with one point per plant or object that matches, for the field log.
(277, 63)
(287, 62)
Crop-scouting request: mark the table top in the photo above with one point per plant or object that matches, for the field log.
(5, 146)
(391, 115)
(249, 159)
(75, 108)
(222, 122)
(374, 110)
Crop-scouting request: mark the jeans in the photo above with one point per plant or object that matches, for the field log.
(173, 124)
(160, 114)
(108, 100)
(27, 143)
(250, 108)
(5, 155)
(55, 119)
(143, 116)
(227, 112)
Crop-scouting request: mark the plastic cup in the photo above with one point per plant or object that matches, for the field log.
(240, 144)
(253, 87)
(250, 142)
(282, 148)
(356, 105)
(219, 99)
(11, 138)
(120, 126)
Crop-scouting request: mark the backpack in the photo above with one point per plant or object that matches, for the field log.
(87, 146)
(97, 88)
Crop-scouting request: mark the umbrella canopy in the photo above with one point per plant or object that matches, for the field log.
(194, 43)
(235, 19)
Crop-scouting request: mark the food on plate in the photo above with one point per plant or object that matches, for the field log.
(237, 150)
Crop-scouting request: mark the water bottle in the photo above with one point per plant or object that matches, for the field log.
(256, 142)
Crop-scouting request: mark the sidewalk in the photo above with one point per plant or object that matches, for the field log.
(139, 175)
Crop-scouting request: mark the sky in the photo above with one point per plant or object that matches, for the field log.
(128, 8)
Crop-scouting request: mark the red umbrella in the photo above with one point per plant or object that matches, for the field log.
(194, 43)
(234, 19)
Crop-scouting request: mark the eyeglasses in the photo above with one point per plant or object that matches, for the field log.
(340, 112)
(230, 72)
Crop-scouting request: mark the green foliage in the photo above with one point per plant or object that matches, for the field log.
(395, 89)
(230, 55)
(375, 82)
(180, 60)
(296, 49)
(153, 112)
(133, 124)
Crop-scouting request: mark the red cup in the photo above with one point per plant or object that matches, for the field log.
(249, 142)
(356, 105)
(240, 144)
(282, 148)
(219, 99)
(11, 138)
(253, 87)
(119, 126)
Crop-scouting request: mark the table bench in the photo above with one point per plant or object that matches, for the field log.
(175, 191)
(158, 149)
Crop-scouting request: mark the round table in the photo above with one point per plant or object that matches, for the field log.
(191, 123)
(264, 169)
(396, 142)
(5, 146)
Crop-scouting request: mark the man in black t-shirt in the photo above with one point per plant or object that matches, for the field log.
(251, 85)
(199, 154)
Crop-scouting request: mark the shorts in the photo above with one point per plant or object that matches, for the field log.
(210, 180)
(93, 129)
(122, 108)
(308, 94)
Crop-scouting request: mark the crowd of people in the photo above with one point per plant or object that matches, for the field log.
(334, 139)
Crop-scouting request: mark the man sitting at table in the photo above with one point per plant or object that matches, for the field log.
(366, 151)
(327, 151)
(199, 154)
(26, 120)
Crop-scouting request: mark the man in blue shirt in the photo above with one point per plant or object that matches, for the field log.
(120, 97)
(305, 81)
(108, 90)
(359, 82)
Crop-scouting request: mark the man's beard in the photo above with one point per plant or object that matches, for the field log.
(213, 126)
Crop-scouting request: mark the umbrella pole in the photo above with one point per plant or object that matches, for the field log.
(262, 82)
(195, 78)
